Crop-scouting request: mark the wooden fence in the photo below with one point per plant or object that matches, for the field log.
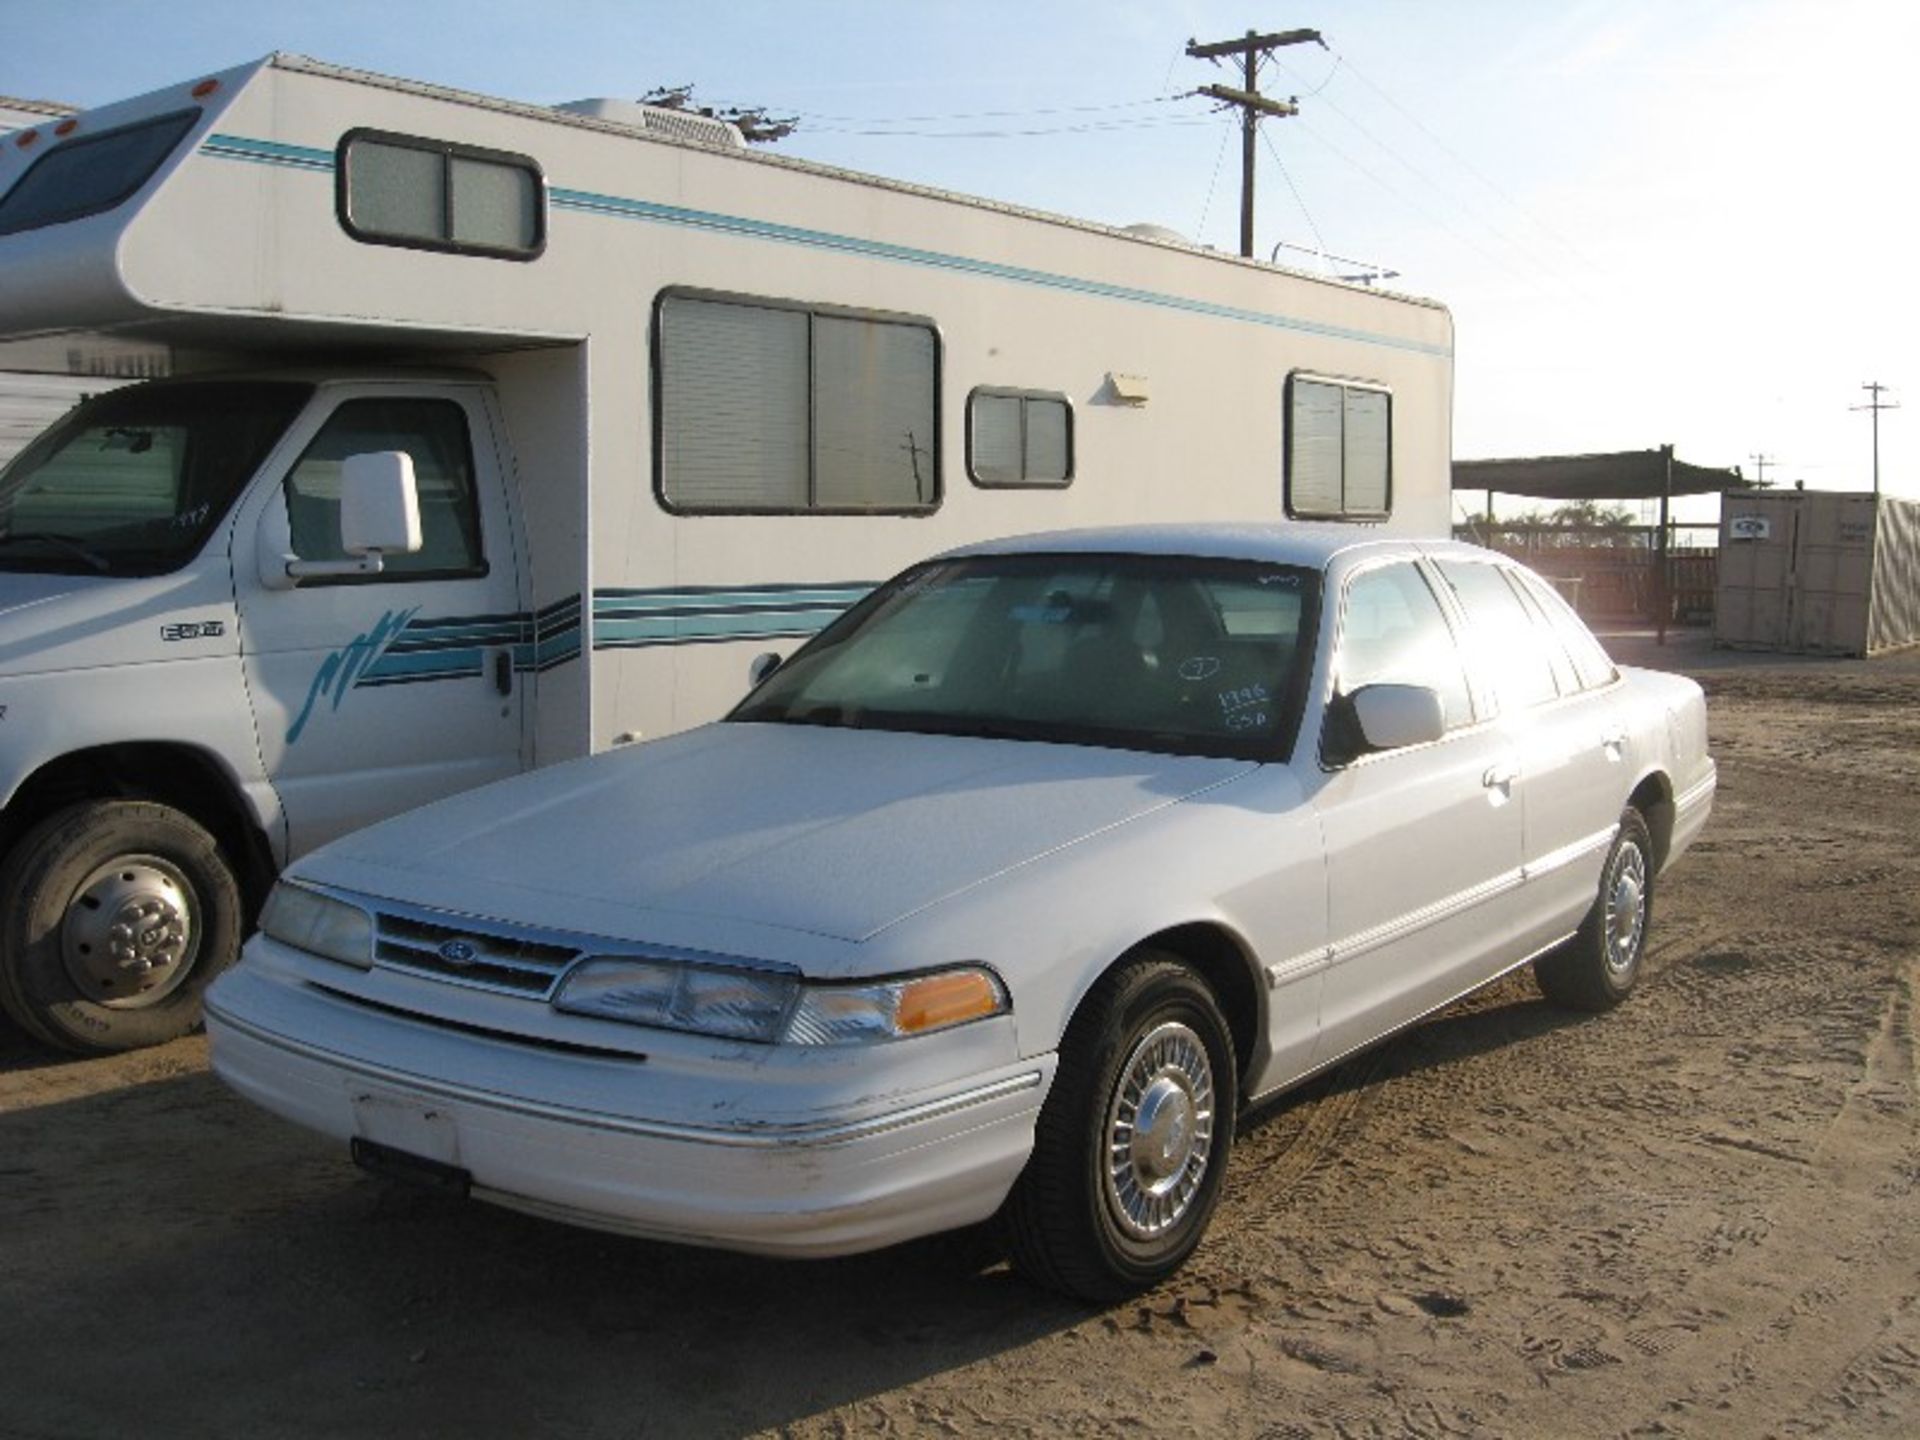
(1612, 573)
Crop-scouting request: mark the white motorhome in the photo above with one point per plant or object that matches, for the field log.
(664, 403)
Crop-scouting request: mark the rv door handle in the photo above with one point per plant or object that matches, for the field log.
(1500, 776)
(503, 671)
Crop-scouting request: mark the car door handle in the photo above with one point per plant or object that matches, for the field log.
(1614, 740)
(1500, 776)
(503, 671)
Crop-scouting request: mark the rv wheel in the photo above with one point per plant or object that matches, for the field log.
(115, 916)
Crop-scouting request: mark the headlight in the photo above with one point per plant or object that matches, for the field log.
(770, 1006)
(731, 1004)
(319, 924)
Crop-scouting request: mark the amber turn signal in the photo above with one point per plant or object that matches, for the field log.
(940, 1000)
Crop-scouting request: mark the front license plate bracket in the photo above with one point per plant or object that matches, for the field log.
(410, 1169)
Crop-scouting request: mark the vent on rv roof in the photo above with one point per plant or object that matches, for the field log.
(657, 120)
(1161, 233)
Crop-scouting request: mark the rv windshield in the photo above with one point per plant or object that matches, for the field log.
(132, 482)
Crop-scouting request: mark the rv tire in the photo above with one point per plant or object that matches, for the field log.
(115, 915)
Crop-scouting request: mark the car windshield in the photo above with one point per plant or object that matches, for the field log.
(1148, 652)
(133, 481)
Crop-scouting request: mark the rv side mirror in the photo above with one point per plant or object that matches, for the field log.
(760, 668)
(379, 504)
(1392, 717)
(379, 515)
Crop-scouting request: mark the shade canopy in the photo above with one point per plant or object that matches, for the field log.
(1622, 475)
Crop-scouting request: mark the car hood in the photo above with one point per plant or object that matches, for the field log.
(834, 832)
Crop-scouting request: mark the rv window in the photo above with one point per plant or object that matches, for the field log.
(1339, 448)
(433, 195)
(92, 173)
(776, 409)
(434, 433)
(1018, 437)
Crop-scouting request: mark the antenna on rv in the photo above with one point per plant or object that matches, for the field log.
(1366, 274)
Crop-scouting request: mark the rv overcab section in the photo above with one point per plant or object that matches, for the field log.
(669, 404)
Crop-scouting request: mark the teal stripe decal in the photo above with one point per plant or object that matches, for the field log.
(682, 630)
(267, 152)
(617, 603)
(587, 202)
(628, 619)
(422, 665)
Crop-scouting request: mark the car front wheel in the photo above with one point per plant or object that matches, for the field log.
(1131, 1145)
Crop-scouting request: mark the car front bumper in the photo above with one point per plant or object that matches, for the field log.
(532, 1137)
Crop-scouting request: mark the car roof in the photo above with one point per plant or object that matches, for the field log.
(1314, 545)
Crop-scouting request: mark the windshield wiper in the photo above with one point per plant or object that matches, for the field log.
(831, 717)
(79, 549)
(964, 726)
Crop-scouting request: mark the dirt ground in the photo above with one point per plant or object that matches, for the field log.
(1696, 1216)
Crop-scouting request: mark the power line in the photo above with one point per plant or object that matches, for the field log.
(1219, 154)
(1439, 220)
(1465, 164)
(1318, 238)
(1419, 173)
(1005, 114)
(1169, 122)
(1315, 91)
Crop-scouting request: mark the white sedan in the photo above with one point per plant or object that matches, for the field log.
(1004, 896)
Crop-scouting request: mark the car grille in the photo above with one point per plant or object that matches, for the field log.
(471, 953)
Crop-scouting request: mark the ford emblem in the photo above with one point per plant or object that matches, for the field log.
(458, 952)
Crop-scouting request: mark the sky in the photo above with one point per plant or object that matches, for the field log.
(1654, 221)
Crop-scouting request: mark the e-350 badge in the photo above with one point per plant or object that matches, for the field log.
(193, 630)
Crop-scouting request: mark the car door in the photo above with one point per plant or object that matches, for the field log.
(1570, 741)
(1423, 844)
(374, 695)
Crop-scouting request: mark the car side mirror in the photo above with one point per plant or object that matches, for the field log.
(1392, 717)
(379, 516)
(760, 667)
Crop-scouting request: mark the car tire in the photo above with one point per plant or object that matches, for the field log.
(117, 915)
(1596, 969)
(1110, 1205)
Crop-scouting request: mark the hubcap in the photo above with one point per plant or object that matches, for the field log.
(129, 935)
(1626, 910)
(1159, 1131)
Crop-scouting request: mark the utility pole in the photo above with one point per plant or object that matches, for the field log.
(1760, 463)
(1876, 405)
(1251, 102)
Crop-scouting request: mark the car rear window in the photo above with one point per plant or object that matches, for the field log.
(91, 173)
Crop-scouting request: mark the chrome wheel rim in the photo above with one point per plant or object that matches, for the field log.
(1626, 911)
(1159, 1131)
(130, 932)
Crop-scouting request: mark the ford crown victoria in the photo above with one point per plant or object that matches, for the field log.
(1003, 896)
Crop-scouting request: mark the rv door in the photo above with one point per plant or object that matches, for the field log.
(374, 693)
